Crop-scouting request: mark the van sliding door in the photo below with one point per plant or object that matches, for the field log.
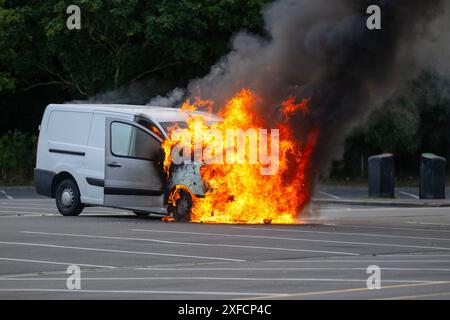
(133, 177)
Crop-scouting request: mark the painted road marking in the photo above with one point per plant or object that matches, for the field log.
(6, 195)
(14, 210)
(31, 199)
(357, 261)
(214, 278)
(329, 195)
(53, 208)
(206, 293)
(429, 223)
(58, 263)
(118, 251)
(13, 204)
(7, 209)
(188, 243)
(317, 293)
(27, 215)
(300, 239)
(430, 295)
(56, 213)
(290, 268)
(420, 255)
(385, 208)
(387, 228)
(342, 233)
(409, 194)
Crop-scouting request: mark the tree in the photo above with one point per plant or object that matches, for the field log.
(414, 121)
(121, 42)
(9, 19)
(394, 127)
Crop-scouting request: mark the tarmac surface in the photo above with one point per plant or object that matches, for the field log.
(121, 256)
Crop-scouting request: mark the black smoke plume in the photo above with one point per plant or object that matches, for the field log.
(323, 50)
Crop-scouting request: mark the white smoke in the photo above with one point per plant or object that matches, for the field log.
(173, 99)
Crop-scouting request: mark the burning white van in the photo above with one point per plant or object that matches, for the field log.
(111, 155)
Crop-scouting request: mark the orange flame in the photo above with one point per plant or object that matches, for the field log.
(289, 106)
(239, 193)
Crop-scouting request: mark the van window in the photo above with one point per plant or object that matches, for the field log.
(69, 127)
(150, 126)
(132, 142)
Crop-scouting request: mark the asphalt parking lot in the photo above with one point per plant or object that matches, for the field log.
(121, 256)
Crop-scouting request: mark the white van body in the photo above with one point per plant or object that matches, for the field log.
(110, 152)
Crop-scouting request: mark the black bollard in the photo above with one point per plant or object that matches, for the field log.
(432, 176)
(382, 176)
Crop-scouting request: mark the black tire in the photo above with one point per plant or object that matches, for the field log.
(182, 210)
(68, 198)
(141, 214)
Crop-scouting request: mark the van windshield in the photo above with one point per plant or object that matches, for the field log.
(171, 125)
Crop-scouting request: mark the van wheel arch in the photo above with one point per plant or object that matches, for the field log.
(180, 197)
(67, 195)
(60, 177)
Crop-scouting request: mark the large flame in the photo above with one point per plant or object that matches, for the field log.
(239, 193)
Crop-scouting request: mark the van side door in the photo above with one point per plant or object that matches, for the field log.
(133, 176)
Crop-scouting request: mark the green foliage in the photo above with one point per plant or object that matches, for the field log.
(414, 121)
(394, 128)
(203, 38)
(9, 19)
(433, 96)
(120, 41)
(7, 83)
(17, 157)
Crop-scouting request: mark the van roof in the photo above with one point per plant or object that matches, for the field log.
(160, 114)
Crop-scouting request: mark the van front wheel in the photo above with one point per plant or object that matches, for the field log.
(68, 198)
(182, 210)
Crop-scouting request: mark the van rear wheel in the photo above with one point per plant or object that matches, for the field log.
(68, 198)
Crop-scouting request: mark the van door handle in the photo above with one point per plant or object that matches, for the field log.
(114, 165)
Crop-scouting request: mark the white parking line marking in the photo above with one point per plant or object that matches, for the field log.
(105, 214)
(118, 251)
(55, 212)
(385, 208)
(205, 293)
(22, 215)
(357, 261)
(318, 293)
(25, 212)
(387, 228)
(53, 208)
(31, 200)
(429, 223)
(216, 279)
(421, 255)
(6, 195)
(26, 205)
(333, 209)
(341, 233)
(58, 263)
(188, 243)
(420, 296)
(291, 269)
(299, 239)
(28, 201)
(409, 194)
(329, 195)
